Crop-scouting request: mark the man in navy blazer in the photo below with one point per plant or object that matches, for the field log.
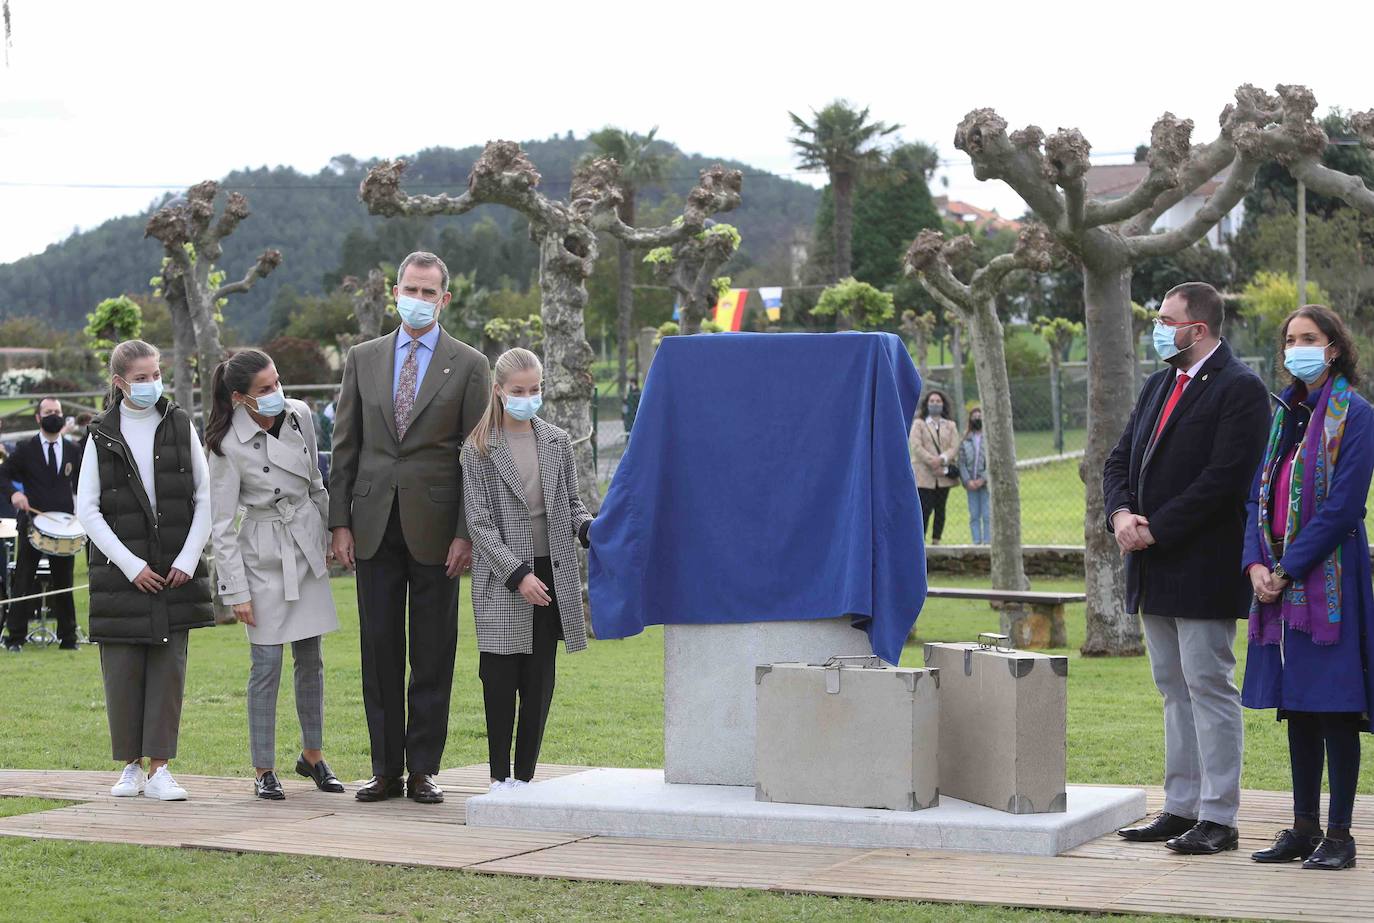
(1175, 488)
(47, 465)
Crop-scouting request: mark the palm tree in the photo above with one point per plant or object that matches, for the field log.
(842, 141)
(639, 168)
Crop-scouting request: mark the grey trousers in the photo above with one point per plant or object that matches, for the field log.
(144, 684)
(1194, 667)
(264, 678)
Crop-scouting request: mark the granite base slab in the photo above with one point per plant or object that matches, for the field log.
(639, 803)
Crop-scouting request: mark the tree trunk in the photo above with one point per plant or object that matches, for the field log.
(842, 188)
(1056, 402)
(183, 348)
(208, 348)
(956, 349)
(1107, 298)
(923, 355)
(625, 305)
(990, 370)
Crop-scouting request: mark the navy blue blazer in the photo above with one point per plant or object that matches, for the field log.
(1191, 484)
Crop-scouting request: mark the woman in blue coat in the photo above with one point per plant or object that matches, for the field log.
(1307, 556)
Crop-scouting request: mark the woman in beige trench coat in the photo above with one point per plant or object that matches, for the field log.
(934, 447)
(272, 568)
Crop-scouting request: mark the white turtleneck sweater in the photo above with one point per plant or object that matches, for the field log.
(138, 427)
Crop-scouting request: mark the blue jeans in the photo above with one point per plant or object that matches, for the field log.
(979, 513)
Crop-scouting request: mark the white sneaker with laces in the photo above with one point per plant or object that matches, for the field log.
(517, 783)
(163, 787)
(131, 782)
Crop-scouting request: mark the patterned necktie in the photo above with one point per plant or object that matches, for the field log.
(405, 390)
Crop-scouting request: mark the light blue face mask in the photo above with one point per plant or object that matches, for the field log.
(523, 408)
(1164, 341)
(1306, 363)
(144, 394)
(416, 312)
(269, 405)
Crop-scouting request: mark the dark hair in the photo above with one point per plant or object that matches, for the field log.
(925, 403)
(233, 374)
(38, 408)
(1202, 302)
(968, 422)
(423, 258)
(1329, 323)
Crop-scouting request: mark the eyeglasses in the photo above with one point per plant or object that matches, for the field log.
(1161, 322)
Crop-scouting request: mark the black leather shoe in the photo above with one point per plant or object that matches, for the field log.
(321, 774)
(268, 788)
(1164, 826)
(421, 788)
(1288, 845)
(68, 646)
(14, 648)
(1332, 855)
(1205, 839)
(380, 788)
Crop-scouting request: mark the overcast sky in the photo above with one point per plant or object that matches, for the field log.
(147, 93)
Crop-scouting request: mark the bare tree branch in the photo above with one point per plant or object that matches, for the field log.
(1298, 142)
(928, 259)
(1217, 206)
(596, 193)
(267, 261)
(1169, 148)
(1066, 165)
(1014, 159)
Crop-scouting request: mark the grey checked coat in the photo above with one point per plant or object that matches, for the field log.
(503, 540)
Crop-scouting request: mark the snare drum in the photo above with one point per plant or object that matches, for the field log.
(57, 533)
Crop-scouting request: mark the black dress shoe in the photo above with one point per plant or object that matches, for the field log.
(14, 648)
(1288, 845)
(68, 646)
(421, 788)
(1205, 839)
(268, 788)
(380, 788)
(322, 775)
(1332, 855)
(1164, 826)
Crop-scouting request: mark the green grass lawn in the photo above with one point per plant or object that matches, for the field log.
(607, 712)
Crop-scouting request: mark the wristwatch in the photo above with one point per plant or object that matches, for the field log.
(1282, 574)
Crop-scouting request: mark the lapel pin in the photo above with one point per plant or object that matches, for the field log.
(1204, 377)
(445, 371)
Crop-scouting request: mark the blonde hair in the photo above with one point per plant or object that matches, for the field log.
(510, 362)
(123, 356)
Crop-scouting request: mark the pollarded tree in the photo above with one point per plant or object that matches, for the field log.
(689, 268)
(566, 235)
(192, 240)
(975, 304)
(918, 329)
(842, 141)
(640, 167)
(370, 299)
(1108, 237)
(1058, 334)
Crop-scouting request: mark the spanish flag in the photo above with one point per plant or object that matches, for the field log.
(730, 308)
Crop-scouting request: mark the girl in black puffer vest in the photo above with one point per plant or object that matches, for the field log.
(144, 501)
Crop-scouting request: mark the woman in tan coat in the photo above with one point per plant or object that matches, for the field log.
(271, 567)
(934, 448)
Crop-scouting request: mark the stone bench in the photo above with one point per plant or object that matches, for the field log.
(1032, 620)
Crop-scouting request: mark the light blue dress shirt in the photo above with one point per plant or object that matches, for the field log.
(423, 353)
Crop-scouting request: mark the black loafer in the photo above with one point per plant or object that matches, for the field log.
(268, 788)
(1332, 855)
(1288, 846)
(1164, 826)
(421, 788)
(321, 774)
(1205, 839)
(380, 788)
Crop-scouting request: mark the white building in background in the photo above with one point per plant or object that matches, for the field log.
(1112, 181)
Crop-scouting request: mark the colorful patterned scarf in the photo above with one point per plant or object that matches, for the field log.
(1311, 604)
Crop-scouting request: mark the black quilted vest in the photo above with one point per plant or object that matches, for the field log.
(120, 612)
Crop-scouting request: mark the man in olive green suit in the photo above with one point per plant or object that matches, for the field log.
(407, 402)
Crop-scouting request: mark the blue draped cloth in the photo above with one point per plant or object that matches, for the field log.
(767, 479)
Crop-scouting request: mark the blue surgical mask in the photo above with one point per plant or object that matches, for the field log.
(1164, 342)
(143, 394)
(1306, 363)
(416, 312)
(269, 405)
(524, 408)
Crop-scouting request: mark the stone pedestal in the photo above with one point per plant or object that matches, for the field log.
(709, 695)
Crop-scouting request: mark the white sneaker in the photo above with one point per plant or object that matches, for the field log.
(517, 783)
(131, 782)
(163, 787)
(503, 785)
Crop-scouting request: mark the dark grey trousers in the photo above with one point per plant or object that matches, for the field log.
(144, 684)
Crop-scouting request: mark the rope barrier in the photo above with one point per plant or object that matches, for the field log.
(20, 599)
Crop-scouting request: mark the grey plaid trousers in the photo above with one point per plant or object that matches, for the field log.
(264, 678)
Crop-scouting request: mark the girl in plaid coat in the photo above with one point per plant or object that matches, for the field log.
(524, 513)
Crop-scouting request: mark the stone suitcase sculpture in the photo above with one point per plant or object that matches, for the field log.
(1003, 720)
(845, 734)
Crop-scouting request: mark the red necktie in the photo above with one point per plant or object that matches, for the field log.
(1179, 384)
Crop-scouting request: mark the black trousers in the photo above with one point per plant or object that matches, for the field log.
(933, 500)
(531, 678)
(385, 580)
(25, 568)
(1332, 738)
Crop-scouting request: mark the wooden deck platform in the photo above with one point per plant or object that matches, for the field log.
(1106, 875)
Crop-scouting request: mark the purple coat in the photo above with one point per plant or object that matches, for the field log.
(1298, 675)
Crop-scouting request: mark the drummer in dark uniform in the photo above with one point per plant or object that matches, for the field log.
(40, 477)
